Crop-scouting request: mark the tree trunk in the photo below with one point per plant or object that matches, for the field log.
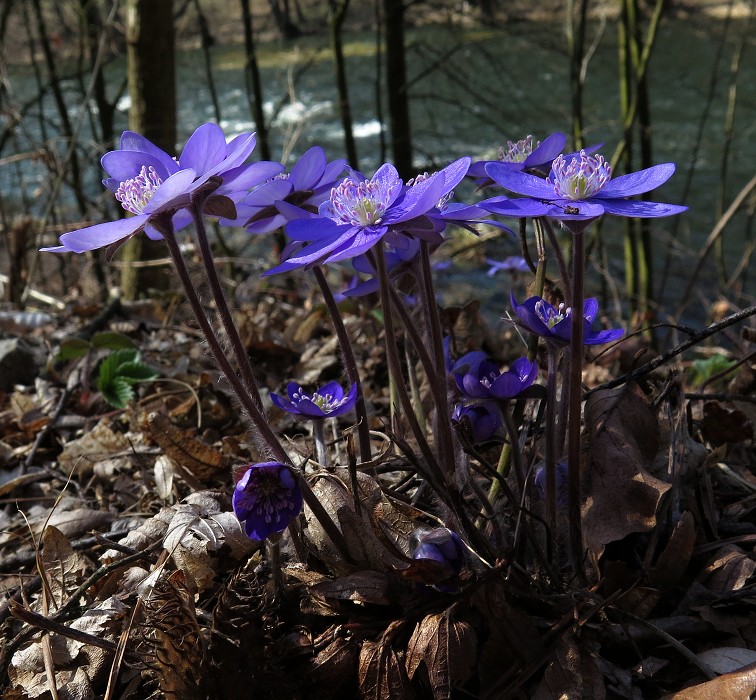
(152, 87)
(396, 85)
(254, 84)
(338, 10)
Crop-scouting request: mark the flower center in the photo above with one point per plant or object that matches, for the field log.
(269, 493)
(551, 316)
(360, 203)
(422, 177)
(135, 194)
(517, 151)
(325, 402)
(579, 177)
(490, 378)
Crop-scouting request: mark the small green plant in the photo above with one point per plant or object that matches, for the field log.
(119, 371)
(702, 371)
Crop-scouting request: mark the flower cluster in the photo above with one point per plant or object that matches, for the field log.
(327, 402)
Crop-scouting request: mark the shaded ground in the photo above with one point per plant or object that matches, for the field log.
(124, 571)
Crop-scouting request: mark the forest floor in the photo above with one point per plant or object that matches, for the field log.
(124, 572)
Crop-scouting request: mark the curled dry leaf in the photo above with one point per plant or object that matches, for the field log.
(362, 587)
(196, 457)
(728, 570)
(366, 548)
(333, 669)
(448, 648)
(727, 659)
(382, 675)
(621, 497)
(670, 565)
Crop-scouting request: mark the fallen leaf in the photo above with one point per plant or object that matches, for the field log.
(739, 685)
(621, 497)
(727, 659)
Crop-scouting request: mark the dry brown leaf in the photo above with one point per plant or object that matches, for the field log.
(361, 586)
(164, 477)
(728, 570)
(739, 685)
(621, 497)
(62, 566)
(382, 675)
(572, 674)
(448, 647)
(674, 559)
(333, 668)
(366, 549)
(199, 459)
(84, 452)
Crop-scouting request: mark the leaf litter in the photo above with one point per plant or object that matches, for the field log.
(124, 572)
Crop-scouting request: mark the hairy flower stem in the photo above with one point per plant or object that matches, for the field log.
(539, 282)
(551, 437)
(514, 440)
(561, 264)
(320, 447)
(350, 364)
(264, 436)
(395, 369)
(216, 289)
(575, 396)
(439, 377)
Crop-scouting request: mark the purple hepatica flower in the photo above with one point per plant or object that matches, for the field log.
(148, 183)
(561, 483)
(272, 204)
(445, 548)
(555, 324)
(521, 155)
(478, 377)
(327, 402)
(481, 419)
(580, 188)
(266, 499)
(361, 212)
(513, 263)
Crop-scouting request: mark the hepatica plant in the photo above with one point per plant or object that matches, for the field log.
(389, 228)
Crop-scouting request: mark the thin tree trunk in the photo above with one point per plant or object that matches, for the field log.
(254, 84)
(152, 86)
(337, 15)
(396, 85)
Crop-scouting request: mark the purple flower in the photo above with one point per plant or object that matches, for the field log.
(514, 263)
(445, 548)
(580, 188)
(562, 472)
(478, 377)
(272, 204)
(481, 420)
(360, 212)
(555, 324)
(521, 155)
(266, 499)
(148, 182)
(326, 402)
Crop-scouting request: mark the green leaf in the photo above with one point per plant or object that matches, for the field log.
(134, 372)
(72, 348)
(110, 340)
(702, 370)
(118, 393)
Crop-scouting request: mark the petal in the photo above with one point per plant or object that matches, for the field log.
(454, 172)
(578, 210)
(547, 150)
(269, 192)
(506, 386)
(245, 177)
(237, 152)
(316, 228)
(332, 172)
(590, 309)
(308, 170)
(334, 389)
(174, 192)
(101, 235)
(601, 337)
(519, 182)
(637, 183)
(131, 141)
(516, 208)
(125, 165)
(363, 240)
(282, 403)
(291, 213)
(205, 148)
(640, 209)
(528, 317)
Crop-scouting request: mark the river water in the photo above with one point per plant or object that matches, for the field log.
(472, 89)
